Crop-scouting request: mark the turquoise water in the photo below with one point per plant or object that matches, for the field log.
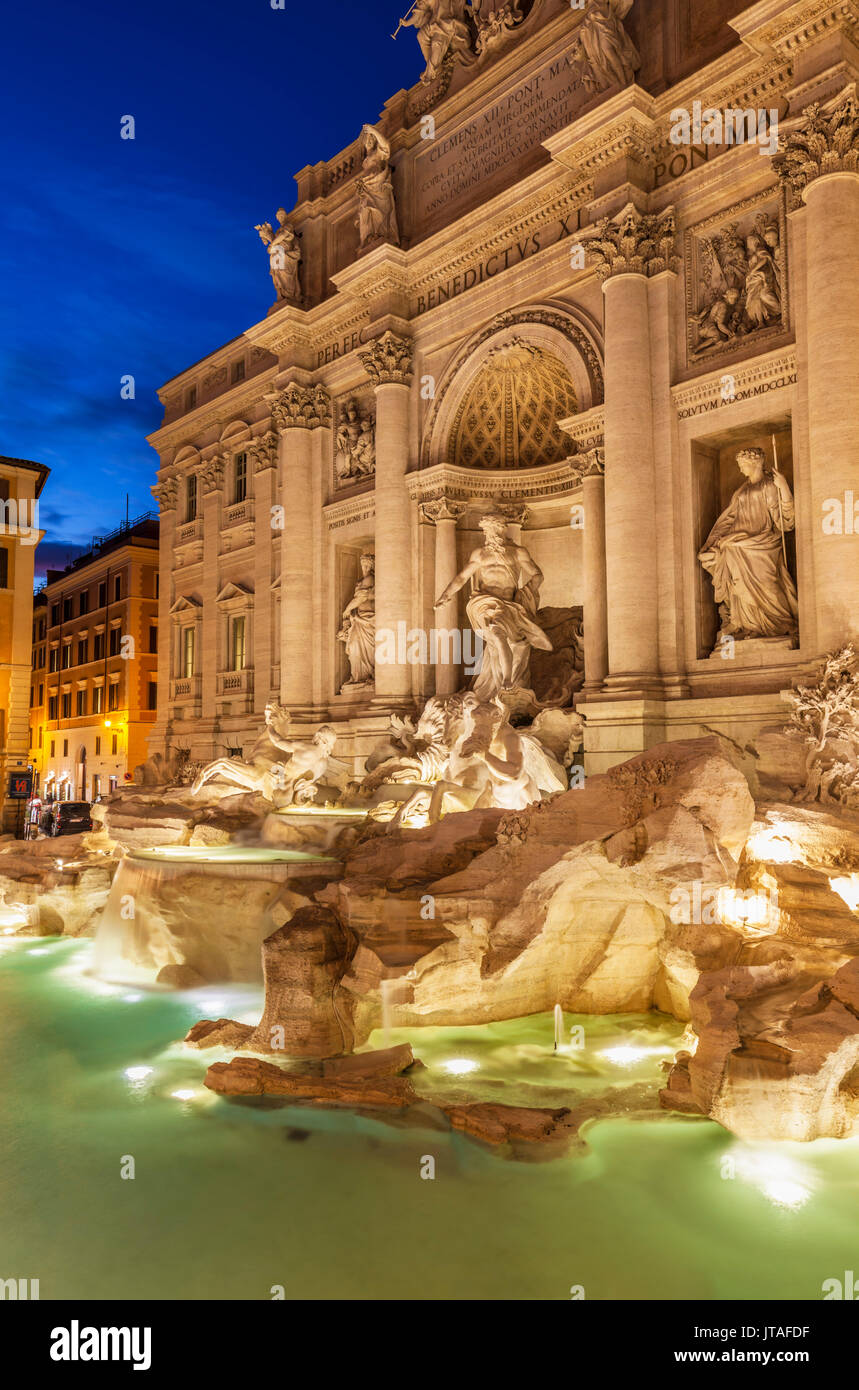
(229, 1200)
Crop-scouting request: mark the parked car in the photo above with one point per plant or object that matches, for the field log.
(67, 818)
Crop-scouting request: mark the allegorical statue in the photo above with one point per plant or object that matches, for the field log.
(358, 631)
(278, 779)
(609, 52)
(746, 556)
(355, 445)
(505, 588)
(284, 257)
(377, 212)
(442, 32)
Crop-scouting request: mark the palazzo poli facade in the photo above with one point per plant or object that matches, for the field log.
(526, 292)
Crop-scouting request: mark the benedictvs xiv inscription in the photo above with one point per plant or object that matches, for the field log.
(509, 130)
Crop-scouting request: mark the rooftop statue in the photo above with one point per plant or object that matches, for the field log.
(746, 555)
(377, 212)
(609, 52)
(442, 32)
(505, 588)
(284, 257)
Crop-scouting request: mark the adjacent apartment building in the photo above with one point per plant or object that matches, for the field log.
(21, 483)
(94, 666)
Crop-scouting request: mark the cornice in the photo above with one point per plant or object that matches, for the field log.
(770, 372)
(446, 482)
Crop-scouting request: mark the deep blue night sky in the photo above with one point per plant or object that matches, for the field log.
(140, 256)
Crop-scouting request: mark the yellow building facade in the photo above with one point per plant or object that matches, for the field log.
(94, 666)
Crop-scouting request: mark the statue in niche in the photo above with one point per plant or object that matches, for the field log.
(603, 45)
(284, 257)
(746, 556)
(283, 781)
(442, 32)
(377, 212)
(358, 631)
(355, 455)
(741, 285)
(505, 590)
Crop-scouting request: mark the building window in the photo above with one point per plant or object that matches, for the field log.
(83, 602)
(188, 653)
(52, 708)
(238, 371)
(32, 696)
(98, 699)
(41, 695)
(240, 476)
(67, 705)
(67, 610)
(81, 702)
(191, 398)
(114, 744)
(117, 588)
(65, 748)
(55, 614)
(98, 647)
(237, 644)
(115, 639)
(4, 567)
(54, 662)
(67, 655)
(113, 696)
(191, 497)
(83, 644)
(102, 593)
(98, 745)
(53, 747)
(157, 584)
(41, 734)
(153, 638)
(153, 694)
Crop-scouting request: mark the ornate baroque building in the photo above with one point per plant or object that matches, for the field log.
(536, 286)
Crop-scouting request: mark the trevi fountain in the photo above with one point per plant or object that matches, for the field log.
(522, 964)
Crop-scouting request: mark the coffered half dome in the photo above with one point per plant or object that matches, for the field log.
(508, 416)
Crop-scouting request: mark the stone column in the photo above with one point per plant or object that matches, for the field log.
(209, 656)
(297, 410)
(815, 165)
(629, 249)
(445, 514)
(595, 606)
(388, 363)
(166, 494)
(262, 455)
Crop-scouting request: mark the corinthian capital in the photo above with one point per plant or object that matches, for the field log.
(634, 243)
(166, 494)
(263, 451)
(442, 509)
(212, 473)
(820, 144)
(388, 359)
(590, 464)
(300, 407)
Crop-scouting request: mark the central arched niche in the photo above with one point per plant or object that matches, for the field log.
(500, 399)
(508, 416)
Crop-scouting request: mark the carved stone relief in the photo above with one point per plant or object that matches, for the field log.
(354, 444)
(736, 283)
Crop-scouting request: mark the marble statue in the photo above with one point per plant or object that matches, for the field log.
(284, 257)
(463, 754)
(608, 51)
(358, 631)
(826, 717)
(494, 20)
(442, 32)
(355, 448)
(745, 554)
(281, 781)
(377, 212)
(505, 588)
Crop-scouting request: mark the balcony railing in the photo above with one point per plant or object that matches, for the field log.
(236, 682)
(238, 514)
(189, 531)
(186, 688)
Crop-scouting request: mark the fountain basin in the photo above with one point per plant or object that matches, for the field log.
(183, 915)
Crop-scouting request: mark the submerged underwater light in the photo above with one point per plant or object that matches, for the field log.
(460, 1066)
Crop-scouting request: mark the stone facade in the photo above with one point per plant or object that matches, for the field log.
(534, 291)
